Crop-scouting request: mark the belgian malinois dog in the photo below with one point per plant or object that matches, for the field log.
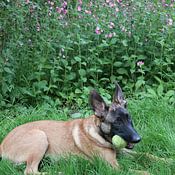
(91, 136)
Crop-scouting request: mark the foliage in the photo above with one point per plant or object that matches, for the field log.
(58, 51)
(153, 119)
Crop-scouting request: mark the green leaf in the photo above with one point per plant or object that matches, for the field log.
(82, 72)
(160, 90)
(125, 43)
(41, 85)
(170, 93)
(122, 71)
(65, 62)
(113, 78)
(71, 76)
(4, 87)
(28, 92)
(113, 41)
(117, 64)
(78, 91)
(158, 79)
(139, 83)
(152, 92)
(78, 59)
(6, 69)
(104, 44)
(84, 79)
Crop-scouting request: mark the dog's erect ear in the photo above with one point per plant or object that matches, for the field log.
(118, 95)
(98, 104)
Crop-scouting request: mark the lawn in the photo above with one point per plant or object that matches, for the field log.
(153, 119)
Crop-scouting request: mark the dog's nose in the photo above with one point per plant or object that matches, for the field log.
(136, 139)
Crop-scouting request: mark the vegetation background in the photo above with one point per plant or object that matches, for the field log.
(52, 53)
(57, 51)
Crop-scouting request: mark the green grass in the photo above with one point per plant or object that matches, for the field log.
(153, 119)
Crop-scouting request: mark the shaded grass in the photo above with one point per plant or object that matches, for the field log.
(154, 120)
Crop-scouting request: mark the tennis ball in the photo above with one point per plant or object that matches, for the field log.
(118, 142)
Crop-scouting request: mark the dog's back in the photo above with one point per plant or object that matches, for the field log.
(61, 137)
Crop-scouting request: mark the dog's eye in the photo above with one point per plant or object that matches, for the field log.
(118, 120)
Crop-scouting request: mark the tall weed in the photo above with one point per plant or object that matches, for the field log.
(60, 50)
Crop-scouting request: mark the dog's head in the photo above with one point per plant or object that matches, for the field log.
(115, 119)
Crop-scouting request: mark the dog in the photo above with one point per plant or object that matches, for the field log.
(89, 137)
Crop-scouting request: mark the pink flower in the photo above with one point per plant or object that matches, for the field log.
(64, 4)
(111, 4)
(80, 2)
(117, 9)
(140, 63)
(119, 1)
(98, 30)
(27, 1)
(65, 11)
(110, 35)
(79, 8)
(58, 10)
(88, 12)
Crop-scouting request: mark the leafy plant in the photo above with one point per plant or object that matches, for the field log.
(54, 51)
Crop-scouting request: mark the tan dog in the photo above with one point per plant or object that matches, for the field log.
(91, 136)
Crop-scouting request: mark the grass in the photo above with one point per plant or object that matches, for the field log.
(153, 119)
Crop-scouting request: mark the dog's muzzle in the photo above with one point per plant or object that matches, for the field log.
(130, 145)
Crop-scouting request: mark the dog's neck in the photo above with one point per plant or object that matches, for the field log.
(96, 133)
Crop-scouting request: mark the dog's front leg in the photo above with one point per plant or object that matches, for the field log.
(109, 155)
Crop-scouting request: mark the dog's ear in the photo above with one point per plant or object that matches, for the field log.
(118, 96)
(98, 104)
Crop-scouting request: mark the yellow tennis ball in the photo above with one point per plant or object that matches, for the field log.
(118, 142)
